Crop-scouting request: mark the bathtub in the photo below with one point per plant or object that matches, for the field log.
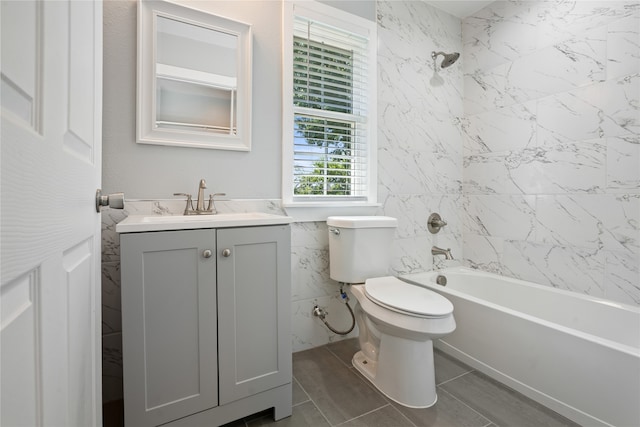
(573, 353)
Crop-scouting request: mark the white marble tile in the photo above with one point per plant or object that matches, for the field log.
(597, 221)
(576, 147)
(452, 242)
(623, 47)
(499, 40)
(623, 164)
(411, 86)
(408, 19)
(411, 211)
(111, 239)
(487, 19)
(411, 255)
(415, 172)
(451, 209)
(505, 129)
(570, 268)
(310, 273)
(600, 110)
(310, 235)
(403, 25)
(111, 367)
(443, 135)
(483, 252)
(564, 66)
(398, 171)
(308, 331)
(406, 127)
(491, 173)
(485, 90)
(622, 278)
(111, 300)
(565, 168)
(561, 19)
(505, 216)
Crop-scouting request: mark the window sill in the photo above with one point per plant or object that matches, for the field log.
(319, 211)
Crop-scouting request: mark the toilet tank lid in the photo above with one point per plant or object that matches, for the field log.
(362, 221)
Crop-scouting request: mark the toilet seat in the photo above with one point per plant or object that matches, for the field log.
(402, 297)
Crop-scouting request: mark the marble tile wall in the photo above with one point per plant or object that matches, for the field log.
(420, 141)
(552, 144)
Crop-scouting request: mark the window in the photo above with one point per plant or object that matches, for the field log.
(329, 100)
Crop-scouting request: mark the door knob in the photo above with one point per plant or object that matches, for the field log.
(113, 200)
(226, 253)
(207, 253)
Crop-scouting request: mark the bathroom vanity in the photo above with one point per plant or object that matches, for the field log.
(205, 318)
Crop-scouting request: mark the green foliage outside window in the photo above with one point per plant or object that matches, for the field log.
(323, 82)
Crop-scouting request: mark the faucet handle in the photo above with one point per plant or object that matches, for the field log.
(212, 207)
(189, 205)
(435, 223)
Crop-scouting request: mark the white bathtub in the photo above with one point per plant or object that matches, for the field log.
(573, 353)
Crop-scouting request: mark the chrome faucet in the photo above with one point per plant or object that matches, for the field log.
(200, 209)
(439, 251)
(200, 202)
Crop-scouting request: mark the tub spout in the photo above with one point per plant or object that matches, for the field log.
(439, 251)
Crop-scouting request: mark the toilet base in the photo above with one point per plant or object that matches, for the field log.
(404, 371)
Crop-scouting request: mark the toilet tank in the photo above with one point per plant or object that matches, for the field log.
(360, 247)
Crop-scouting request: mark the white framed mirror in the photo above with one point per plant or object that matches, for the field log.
(194, 78)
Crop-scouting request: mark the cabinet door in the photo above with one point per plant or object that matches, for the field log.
(254, 288)
(169, 325)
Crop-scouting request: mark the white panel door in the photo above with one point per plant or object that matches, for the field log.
(51, 96)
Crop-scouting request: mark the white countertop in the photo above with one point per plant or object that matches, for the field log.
(140, 223)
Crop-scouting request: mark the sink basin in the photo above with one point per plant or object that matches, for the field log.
(138, 223)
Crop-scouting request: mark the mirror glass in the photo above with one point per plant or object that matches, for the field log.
(196, 72)
(194, 78)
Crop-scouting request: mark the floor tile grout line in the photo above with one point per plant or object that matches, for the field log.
(312, 402)
(354, 372)
(374, 388)
(404, 416)
(337, 357)
(321, 413)
(362, 378)
(301, 388)
(362, 415)
(470, 408)
(455, 378)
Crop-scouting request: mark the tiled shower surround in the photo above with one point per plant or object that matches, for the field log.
(552, 144)
(528, 146)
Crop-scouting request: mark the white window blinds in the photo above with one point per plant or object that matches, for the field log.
(331, 134)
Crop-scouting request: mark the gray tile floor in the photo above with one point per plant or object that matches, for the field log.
(328, 391)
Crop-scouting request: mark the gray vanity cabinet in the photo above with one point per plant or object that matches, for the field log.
(206, 325)
(254, 331)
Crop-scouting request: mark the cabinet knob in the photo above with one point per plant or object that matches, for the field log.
(207, 253)
(226, 253)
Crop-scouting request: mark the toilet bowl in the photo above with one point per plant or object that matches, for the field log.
(397, 323)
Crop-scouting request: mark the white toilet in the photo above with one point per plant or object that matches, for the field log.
(397, 320)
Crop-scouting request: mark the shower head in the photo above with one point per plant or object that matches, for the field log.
(448, 58)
